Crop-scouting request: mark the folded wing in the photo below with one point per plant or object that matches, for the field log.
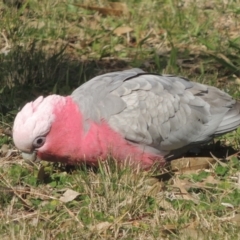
(162, 113)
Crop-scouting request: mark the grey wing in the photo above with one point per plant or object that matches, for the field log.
(161, 113)
(95, 99)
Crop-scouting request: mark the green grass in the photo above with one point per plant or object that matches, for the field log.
(54, 46)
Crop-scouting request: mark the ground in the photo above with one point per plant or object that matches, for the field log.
(54, 46)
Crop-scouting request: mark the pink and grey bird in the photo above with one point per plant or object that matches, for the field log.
(130, 114)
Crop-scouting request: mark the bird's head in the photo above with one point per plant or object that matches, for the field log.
(34, 122)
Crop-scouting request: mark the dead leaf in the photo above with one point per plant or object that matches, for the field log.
(119, 47)
(136, 223)
(36, 24)
(69, 196)
(237, 80)
(4, 149)
(101, 226)
(122, 30)
(169, 228)
(191, 164)
(120, 7)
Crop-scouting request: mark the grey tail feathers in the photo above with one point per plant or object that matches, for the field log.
(231, 120)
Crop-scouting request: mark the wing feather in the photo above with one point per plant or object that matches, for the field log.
(162, 112)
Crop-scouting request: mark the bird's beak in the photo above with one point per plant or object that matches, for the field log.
(30, 157)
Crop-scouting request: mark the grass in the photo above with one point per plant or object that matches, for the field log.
(54, 46)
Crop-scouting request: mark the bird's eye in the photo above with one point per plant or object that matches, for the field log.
(38, 142)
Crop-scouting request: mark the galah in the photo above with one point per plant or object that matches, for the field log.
(129, 115)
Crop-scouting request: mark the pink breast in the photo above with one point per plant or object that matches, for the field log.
(67, 142)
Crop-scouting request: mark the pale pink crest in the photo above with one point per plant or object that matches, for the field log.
(35, 119)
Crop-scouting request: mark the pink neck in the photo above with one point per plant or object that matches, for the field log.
(63, 142)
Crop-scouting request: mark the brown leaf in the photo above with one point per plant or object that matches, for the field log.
(122, 30)
(69, 196)
(191, 164)
(36, 24)
(169, 228)
(101, 226)
(237, 81)
(119, 47)
(4, 149)
(120, 7)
